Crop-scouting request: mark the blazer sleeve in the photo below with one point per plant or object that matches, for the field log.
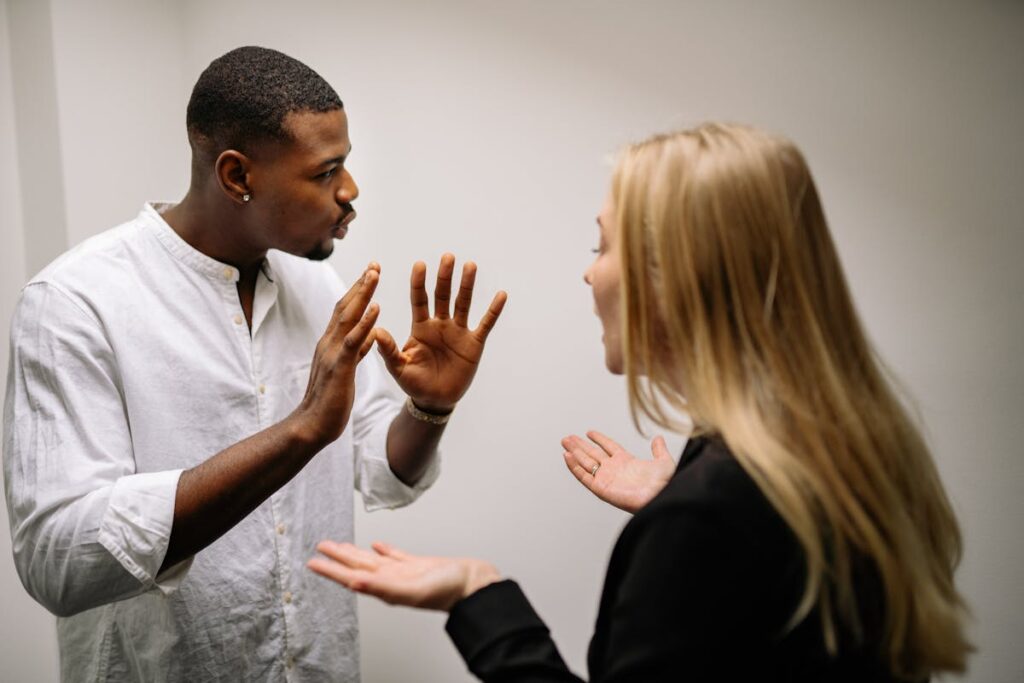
(683, 609)
(501, 638)
(677, 610)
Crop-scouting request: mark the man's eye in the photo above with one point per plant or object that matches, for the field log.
(328, 174)
(595, 250)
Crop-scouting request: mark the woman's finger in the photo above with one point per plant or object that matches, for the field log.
(577, 470)
(388, 550)
(350, 578)
(349, 555)
(583, 458)
(659, 449)
(607, 445)
(592, 451)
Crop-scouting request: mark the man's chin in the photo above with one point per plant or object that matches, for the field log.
(322, 252)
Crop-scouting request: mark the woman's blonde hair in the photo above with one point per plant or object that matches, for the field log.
(736, 314)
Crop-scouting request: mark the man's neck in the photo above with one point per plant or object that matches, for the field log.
(211, 230)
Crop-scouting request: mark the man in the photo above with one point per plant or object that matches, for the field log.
(171, 453)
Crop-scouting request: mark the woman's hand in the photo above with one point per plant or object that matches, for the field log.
(402, 579)
(619, 478)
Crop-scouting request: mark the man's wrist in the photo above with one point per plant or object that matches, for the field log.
(303, 433)
(437, 415)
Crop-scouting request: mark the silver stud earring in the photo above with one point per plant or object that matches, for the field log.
(246, 197)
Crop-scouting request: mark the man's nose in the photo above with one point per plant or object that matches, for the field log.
(348, 190)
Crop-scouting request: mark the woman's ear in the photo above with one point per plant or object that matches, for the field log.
(232, 170)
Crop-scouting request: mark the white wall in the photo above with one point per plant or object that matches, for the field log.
(484, 128)
(121, 94)
(28, 636)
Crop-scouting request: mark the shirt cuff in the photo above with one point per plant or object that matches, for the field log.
(489, 615)
(136, 528)
(385, 491)
(377, 483)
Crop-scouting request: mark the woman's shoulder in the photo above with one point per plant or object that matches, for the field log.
(712, 531)
(712, 500)
(709, 478)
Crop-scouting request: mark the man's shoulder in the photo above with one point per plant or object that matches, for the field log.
(101, 257)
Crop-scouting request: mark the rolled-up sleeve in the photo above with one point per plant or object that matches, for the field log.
(376, 405)
(87, 529)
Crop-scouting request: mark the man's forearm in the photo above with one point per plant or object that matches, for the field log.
(217, 494)
(410, 444)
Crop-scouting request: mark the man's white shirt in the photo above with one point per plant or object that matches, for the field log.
(131, 361)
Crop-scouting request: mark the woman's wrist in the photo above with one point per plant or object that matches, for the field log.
(478, 575)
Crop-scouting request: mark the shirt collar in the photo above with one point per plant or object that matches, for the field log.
(186, 253)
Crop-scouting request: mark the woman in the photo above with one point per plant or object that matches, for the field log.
(805, 535)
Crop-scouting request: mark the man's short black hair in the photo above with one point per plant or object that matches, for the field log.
(244, 96)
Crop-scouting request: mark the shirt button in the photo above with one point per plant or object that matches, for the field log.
(228, 273)
(280, 529)
(237, 319)
(287, 597)
(290, 662)
(263, 388)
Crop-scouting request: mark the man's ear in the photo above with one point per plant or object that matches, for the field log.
(232, 169)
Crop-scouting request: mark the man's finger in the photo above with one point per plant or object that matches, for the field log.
(348, 315)
(360, 333)
(491, 316)
(394, 360)
(443, 289)
(418, 292)
(367, 344)
(347, 297)
(465, 297)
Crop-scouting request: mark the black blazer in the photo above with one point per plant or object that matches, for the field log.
(700, 587)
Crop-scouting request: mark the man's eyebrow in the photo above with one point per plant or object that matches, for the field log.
(338, 159)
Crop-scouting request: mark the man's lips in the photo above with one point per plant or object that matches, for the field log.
(341, 227)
